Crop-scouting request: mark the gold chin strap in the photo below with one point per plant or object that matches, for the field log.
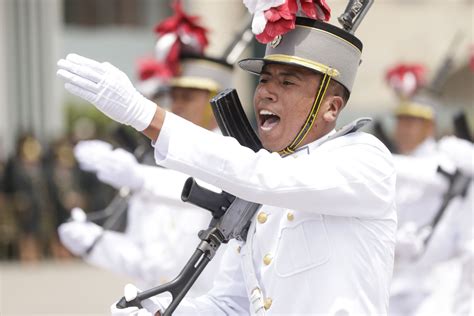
(311, 117)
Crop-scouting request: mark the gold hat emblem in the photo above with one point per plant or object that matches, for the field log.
(276, 41)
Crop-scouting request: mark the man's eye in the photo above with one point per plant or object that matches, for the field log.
(263, 80)
(287, 83)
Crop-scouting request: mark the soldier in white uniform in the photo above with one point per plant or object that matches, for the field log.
(414, 137)
(161, 232)
(323, 240)
(420, 193)
(430, 278)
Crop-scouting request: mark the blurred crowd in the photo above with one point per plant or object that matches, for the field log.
(39, 185)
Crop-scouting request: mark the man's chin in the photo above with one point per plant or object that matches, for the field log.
(272, 146)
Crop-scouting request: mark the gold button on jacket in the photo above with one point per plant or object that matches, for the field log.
(268, 302)
(262, 217)
(290, 216)
(267, 259)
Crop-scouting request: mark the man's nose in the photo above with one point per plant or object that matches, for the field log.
(268, 91)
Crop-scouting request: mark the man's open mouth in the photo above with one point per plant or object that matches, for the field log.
(268, 120)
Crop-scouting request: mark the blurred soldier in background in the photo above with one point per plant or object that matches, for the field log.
(162, 230)
(423, 242)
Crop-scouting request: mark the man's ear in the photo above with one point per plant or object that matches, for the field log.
(334, 106)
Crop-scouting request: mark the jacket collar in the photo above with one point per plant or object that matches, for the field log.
(306, 149)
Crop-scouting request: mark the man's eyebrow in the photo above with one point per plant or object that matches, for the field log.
(291, 74)
(265, 72)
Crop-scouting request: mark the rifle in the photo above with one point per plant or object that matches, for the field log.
(461, 126)
(231, 215)
(241, 40)
(354, 14)
(441, 75)
(458, 186)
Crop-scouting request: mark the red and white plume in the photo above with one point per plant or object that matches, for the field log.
(180, 33)
(406, 79)
(148, 67)
(276, 17)
(152, 75)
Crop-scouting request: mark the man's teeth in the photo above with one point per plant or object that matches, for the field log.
(266, 112)
(269, 120)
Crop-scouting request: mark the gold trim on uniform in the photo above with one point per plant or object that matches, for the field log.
(416, 110)
(332, 72)
(195, 82)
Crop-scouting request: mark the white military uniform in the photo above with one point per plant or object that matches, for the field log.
(447, 262)
(161, 234)
(420, 190)
(323, 241)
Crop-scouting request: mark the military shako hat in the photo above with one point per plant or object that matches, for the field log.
(203, 72)
(315, 45)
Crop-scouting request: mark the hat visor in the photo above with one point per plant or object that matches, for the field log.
(255, 65)
(252, 65)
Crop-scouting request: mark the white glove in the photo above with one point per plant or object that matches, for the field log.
(78, 235)
(460, 151)
(410, 241)
(108, 88)
(120, 169)
(89, 153)
(150, 305)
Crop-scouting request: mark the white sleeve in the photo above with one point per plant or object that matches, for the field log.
(118, 253)
(228, 295)
(360, 177)
(161, 184)
(421, 171)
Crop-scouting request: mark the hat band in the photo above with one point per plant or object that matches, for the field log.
(310, 119)
(195, 83)
(332, 72)
(415, 110)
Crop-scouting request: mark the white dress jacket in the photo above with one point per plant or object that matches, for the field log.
(323, 241)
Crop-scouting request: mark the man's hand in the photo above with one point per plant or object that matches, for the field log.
(151, 306)
(410, 241)
(89, 153)
(108, 88)
(119, 168)
(78, 235)
(460, 151)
